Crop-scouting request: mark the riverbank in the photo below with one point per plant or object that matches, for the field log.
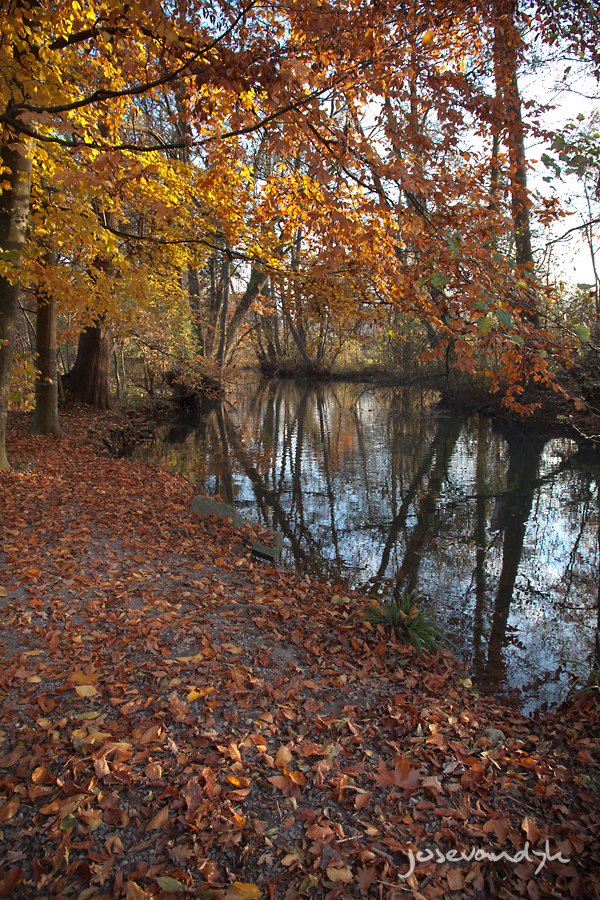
(180, 719)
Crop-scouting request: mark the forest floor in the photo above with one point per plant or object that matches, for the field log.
(178, 719)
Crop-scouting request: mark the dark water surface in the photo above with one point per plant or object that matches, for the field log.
(497, 526)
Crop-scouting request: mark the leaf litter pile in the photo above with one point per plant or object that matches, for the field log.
(179, 719)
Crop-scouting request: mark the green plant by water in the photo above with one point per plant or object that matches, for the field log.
(405, 616)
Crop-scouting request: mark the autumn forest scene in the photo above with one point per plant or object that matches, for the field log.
(299, 434)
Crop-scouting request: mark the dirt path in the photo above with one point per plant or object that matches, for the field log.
(179, 719)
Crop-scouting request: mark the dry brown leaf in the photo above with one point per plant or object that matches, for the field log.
(456, 880)
(159, 820)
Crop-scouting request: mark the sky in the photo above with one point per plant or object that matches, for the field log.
(573, 256)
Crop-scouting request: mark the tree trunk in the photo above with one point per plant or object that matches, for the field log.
(507, 41)
(45, 416)
(224, 291)
(253, 289)
(14, 210)
(88, 380)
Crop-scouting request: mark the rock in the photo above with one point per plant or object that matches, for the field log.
(205, 506)
(266, 552)
(494, 735)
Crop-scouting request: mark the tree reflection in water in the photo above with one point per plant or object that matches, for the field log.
(374, 490)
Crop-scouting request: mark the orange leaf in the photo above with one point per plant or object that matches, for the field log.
(530, 829)
(242, 890)
(283, 758)
(297, 777)
(362, 800)
(8, 809)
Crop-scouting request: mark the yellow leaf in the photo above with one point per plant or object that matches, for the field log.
(3, 591)
(86, 690)
(193, 695)
(336, 875)
(241, 890)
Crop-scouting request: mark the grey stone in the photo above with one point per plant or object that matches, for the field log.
(266, 552)
(205, 506)
(495, 735)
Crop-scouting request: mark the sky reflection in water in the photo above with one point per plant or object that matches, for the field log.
(498, 527)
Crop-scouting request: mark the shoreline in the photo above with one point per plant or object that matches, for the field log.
(178, 717)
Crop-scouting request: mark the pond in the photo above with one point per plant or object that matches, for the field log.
(374, 489)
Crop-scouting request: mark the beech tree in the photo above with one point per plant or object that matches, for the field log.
(390, 198)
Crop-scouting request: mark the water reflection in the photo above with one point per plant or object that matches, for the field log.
(497, 526)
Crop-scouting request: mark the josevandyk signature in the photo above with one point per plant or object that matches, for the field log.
(478, 854)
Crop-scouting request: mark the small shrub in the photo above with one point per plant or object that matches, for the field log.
(410, 623)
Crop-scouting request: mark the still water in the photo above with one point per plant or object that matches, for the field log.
(372, 488)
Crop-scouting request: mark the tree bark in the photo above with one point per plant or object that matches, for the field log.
(253, 289)
(222, 322)
(88, 380)
(45, 416)
(14, 211)
(507, 41)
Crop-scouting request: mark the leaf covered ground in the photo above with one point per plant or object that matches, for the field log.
(179, 719)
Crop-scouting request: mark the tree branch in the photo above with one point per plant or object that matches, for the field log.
(581, 227)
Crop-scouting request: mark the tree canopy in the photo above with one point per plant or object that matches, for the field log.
(342, 162)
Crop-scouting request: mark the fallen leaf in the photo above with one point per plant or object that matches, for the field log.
(8, 809)
(455, 878)
(530, 829)
(337, 875)
(168, 884)
(361, 800)
(101, 767)
(283, 758)
(402, 775)
(135, 892)
(12, 878)
(159, 820)
(153, 771)
(242, 890)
